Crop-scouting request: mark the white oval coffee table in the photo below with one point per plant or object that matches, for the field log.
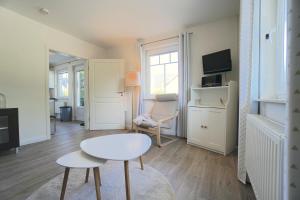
(121, 147)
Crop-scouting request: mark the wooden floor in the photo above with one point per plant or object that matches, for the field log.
(194, 173)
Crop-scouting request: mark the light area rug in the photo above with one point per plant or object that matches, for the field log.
(147, 184)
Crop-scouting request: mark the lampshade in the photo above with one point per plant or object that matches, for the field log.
(132, 79)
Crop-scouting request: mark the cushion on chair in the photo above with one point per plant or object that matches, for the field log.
(145, 121)
(166, 97)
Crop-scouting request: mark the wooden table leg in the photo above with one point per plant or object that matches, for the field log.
(65, 181)
(158, 137)
(97, 182)
(127, 181)
(141, 162)
(99, 176)
(87, 175)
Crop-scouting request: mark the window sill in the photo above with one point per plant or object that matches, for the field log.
(277, 101)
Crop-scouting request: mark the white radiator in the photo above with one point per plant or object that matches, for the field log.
(264, 157)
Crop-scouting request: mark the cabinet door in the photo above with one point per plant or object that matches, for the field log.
(51, 79)
(196, 121)
(215, 125)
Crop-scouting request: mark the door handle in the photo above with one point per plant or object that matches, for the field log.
(120, 93)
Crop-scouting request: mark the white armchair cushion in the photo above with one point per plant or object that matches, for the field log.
(166, 105)
(164, 109)
(145, 121)
(166, 97)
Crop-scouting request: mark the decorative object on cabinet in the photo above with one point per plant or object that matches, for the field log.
(212, 122)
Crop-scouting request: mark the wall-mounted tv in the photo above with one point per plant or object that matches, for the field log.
(217, 62)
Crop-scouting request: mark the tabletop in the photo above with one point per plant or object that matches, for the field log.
(79, 159)
(117, 147)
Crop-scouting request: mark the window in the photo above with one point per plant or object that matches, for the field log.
(80, 88)
(162, 73)
(271, 27)
(62, 84)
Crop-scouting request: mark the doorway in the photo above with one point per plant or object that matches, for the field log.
(67, 93)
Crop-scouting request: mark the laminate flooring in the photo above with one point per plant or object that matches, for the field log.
(194, 173)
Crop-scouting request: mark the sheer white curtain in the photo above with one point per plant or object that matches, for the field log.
(293, 127)
(142, 74)
(184, 57)
(247, 76)
(144, 49)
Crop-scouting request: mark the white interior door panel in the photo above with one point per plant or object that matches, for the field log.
(106, 84)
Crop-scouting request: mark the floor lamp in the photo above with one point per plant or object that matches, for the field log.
(132, 80)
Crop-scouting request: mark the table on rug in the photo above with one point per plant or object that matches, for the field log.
(121, 147)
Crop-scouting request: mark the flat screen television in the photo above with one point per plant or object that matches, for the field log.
(217, 62)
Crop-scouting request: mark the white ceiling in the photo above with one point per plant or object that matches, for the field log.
(58, 58)
(104, 21)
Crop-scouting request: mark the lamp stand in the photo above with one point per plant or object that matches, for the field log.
(132, 93)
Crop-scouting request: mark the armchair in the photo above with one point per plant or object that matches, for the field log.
(164, 113)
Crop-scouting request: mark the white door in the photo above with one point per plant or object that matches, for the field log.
(79, 74)
(106, 87)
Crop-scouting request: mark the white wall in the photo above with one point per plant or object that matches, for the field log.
(24, 64)
(206, 38)
(212, 37)
(129, 51)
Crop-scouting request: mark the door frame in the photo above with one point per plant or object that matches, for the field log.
(86, 96)
(88, 80)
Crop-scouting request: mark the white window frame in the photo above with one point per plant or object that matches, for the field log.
(78, 68)
(152, 52)
(272, 104)
(276, 91)
(61, 71)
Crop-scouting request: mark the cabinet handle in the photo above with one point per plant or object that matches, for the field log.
(205, 126)
(202, 126)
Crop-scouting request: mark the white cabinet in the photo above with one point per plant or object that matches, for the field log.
(196, 120)
(212, 123)
(51, 79)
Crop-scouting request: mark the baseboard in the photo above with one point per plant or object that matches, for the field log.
(33, 140)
